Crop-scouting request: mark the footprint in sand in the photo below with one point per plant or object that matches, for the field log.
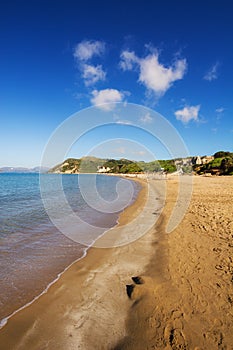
(139, 288)
(174, 338)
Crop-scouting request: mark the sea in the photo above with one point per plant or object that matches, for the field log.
(34, 250)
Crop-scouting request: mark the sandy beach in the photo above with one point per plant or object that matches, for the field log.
(183, 299)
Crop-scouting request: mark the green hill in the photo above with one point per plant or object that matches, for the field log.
(120, 166)
(221, 163)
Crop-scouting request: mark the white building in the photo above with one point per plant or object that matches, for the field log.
(102, 169)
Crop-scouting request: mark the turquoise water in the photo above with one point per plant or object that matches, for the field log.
(32, 249)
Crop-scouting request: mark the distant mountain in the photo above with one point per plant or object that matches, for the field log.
(40, 169)
(37, 169)
(221, 163)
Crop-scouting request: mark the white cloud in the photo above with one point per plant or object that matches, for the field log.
(85, 50)
(153, 74)
(220, 110)
(92, 74)
(157, 77)
(106, 99)
(83, 53)
(124, 122)
(128, 60)
(212, 73)
(219, 114)
(188, 113)
(146, 119)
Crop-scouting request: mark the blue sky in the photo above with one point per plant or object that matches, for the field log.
(59, 57)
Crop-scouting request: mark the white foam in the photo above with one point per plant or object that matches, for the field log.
(4, 321)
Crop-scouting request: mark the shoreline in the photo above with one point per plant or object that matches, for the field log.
(125, 216)
(5, 319)
(128, 209)
(185, 300)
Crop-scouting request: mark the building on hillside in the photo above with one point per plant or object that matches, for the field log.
(196, 160)
(103, 169)
(183, 162)
(201, 160)
(207, 159)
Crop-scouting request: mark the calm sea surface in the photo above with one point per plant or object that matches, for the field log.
(32, 249)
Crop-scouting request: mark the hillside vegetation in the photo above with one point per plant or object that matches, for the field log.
(120, 166)
(221, 164)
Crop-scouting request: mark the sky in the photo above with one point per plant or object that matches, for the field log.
(58, 58)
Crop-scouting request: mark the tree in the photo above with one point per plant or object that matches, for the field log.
(221, 154)
(227, 165)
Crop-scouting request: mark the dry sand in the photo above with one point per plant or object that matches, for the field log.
(185, 301)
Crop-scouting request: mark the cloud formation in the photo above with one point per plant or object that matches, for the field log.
(219, 114)
(123, 122)
(153, 74)
(146, 119)
(106, 99)
(188, 113)
(128, 60)
(220, 110)
(83, 54)
(86, 49)
(212, 73)
(92, 74)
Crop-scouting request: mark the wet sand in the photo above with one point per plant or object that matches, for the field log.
(184, 302)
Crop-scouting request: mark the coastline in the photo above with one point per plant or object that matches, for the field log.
(13, 333)
(185, 301)
(83, 252)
